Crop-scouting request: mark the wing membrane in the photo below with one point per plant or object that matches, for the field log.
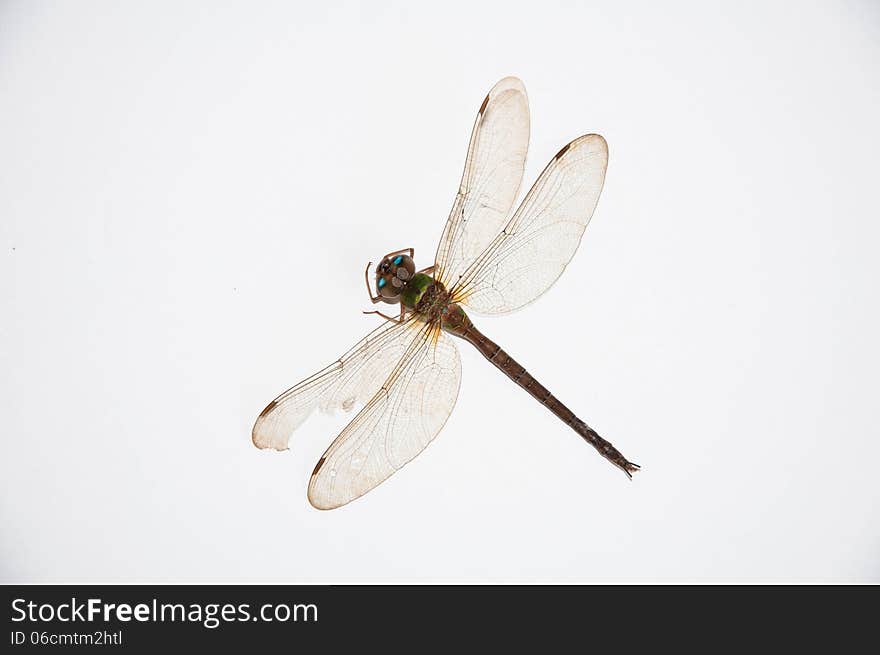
(492, 175)
(527, 257)
(348, 382)
(398, 423)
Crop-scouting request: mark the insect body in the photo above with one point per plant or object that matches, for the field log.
(406, 373)
(431, 302)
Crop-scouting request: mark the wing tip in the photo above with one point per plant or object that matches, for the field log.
(266, 444)
(599, 139)
(596, 139)
(319, 507)
(256, 437)
(313, 499)
(265, 441)
(506, 83)
(509, 83)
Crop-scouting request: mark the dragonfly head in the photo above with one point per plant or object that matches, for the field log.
(392, 274)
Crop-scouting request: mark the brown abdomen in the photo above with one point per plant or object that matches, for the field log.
(456, 322)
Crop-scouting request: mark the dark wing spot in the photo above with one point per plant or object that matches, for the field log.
(269, 408)
(563, 151)
(318, 466)
(485, 102)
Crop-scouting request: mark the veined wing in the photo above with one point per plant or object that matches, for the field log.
(403, 417)
(349, 381)
(492, 175)
(527, 257)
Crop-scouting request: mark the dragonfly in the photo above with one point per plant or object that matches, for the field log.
(405, 374)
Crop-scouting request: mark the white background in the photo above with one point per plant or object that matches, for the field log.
(189, 194)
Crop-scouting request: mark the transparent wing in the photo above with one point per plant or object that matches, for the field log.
(492, 175)
(527, 257)
(396, 425)
(348, 382)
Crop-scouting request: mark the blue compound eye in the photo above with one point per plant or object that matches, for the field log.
(381, 282)
(397, 260)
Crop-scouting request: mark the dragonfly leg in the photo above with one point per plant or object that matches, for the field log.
(394, 319)
(411, 251)
(373, 298)
(430, 269)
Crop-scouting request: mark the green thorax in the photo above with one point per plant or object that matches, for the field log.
(414, 289)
